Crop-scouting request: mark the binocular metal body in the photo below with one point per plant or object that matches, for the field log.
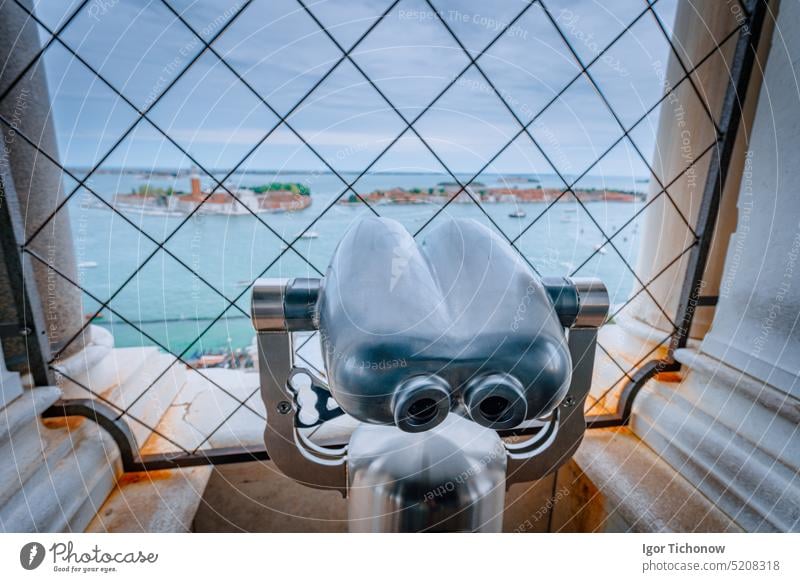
(438, 350)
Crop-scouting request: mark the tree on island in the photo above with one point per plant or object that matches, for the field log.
(292, 187)
(147, 190)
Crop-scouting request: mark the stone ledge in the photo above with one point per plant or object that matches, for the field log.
(768, 396)
(68, 484)
(640, 492)
(153, 502)
(730, 435)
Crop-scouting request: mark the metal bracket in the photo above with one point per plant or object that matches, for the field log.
(622, 416)
(322, 395)
(555, 444)
(294, 455)
(279, 307)
(132, 460)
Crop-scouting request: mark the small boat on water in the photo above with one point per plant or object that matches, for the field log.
(309, 234)
(518, 213)
(601, 249)
(87, 264)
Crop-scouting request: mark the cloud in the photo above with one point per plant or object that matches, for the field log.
(282, 53)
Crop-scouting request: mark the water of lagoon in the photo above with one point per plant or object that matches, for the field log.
(174, 307)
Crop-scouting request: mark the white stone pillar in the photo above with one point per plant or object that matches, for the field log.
(37, 180)
(756, 326)
(684, 131)
(729, 426)
(10, 383)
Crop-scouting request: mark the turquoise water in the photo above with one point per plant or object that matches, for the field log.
(173, 306)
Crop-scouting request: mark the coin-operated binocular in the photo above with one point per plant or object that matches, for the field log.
(465, 371)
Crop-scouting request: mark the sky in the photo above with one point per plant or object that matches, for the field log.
(282, 53)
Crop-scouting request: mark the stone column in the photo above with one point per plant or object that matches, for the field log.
(756, 326)
(10, 384)
(37, 181)
(684, 131)
(729, 426)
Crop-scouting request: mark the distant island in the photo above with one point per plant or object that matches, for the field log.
(267, 198)
(477, 191)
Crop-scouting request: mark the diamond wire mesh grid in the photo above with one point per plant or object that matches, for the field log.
(585, 71)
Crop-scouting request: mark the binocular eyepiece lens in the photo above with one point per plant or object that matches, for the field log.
(494, 408)
(421, 402)
(496, 401)
(423, 410)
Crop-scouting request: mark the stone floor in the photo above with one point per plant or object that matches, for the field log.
(255, 497)
(616, 483)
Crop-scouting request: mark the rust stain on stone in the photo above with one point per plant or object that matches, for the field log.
(158, 475)
(669, 377)
(68, 422)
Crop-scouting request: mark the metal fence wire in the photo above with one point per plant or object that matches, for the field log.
(581, 68)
